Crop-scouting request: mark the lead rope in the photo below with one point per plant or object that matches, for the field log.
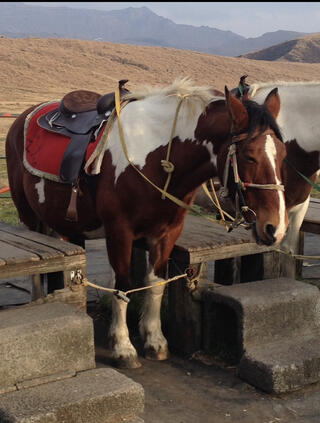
(123, 294)
(166, 164)
(166, 194)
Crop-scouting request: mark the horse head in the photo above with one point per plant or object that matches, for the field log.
(250, 166)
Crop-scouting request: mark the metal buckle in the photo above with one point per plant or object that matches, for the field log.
(248, 214)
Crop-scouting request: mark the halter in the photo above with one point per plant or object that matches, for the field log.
(243, 213)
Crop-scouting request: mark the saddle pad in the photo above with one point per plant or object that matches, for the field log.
(43, 149)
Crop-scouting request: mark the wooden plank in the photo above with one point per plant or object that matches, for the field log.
(199, 233)
(311, 222)
(63, 246)
(15, 256)
(202, 240)
(56, 264)
(313, 212)
(218, 252)
(43, 251)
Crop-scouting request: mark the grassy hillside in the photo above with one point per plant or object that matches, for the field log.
(303, 50)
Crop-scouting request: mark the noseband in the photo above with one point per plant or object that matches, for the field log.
(243, 213)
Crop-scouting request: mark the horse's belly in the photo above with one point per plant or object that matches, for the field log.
(50, 201)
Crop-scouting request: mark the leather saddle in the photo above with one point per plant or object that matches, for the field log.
(80, 116)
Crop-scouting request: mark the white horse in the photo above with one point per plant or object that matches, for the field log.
(299, 122)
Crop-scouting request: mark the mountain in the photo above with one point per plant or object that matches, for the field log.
(139, 26)
(306, 50)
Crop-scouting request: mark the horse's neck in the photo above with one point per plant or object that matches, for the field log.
(306, 163)
(299, 112)
(298, 161)
(147, 126)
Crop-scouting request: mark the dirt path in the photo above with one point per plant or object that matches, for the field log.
(187, 391)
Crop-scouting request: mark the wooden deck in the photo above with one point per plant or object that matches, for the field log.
(28, 253)
(202, 241)
(23, 252)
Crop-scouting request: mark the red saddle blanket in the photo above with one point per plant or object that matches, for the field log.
(44, 150)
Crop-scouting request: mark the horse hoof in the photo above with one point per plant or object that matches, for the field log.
(152, 354)
(126, 362)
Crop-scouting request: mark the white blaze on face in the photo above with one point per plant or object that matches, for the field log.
(271, 151)
(40, 189)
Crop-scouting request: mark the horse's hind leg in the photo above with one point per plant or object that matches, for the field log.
(119, 245)
(16, 174)
(27, 217)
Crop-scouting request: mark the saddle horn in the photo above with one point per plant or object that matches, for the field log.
(107, 101)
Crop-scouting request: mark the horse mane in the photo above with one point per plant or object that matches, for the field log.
(179, 88)
(260, 117)
(256, 86)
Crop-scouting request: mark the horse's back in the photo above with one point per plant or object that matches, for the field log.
(298, 117)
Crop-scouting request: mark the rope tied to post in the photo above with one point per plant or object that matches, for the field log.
(123, 295)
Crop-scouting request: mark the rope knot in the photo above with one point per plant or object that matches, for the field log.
(167, 166)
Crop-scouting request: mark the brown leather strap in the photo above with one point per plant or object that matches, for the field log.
(72, 214)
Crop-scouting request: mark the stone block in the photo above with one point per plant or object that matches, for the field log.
(93, 396)
(43, 340)
(283, 365)
(274, 326)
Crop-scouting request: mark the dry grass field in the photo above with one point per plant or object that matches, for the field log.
(33, 70)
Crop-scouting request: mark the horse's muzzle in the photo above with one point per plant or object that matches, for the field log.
(269, 239)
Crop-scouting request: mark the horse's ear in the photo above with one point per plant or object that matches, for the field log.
(237, 112)
(272, 102)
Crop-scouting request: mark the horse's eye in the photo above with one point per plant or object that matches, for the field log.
(250, 159)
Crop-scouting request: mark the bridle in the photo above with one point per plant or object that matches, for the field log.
(244, 215)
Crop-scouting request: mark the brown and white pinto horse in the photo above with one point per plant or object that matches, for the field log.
(299, 122)
(126, 207)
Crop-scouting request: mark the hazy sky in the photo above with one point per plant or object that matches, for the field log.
(244, 18)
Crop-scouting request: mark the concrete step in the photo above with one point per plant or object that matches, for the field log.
(284, 365)
(275, 324)
(44, 340)
(93, 396)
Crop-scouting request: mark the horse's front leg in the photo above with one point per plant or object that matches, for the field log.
(123, 353)
(156, 346)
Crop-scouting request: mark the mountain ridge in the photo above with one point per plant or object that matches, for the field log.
(303, 50)
(142, 27)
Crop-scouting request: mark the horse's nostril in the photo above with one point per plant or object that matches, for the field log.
(270, 230)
